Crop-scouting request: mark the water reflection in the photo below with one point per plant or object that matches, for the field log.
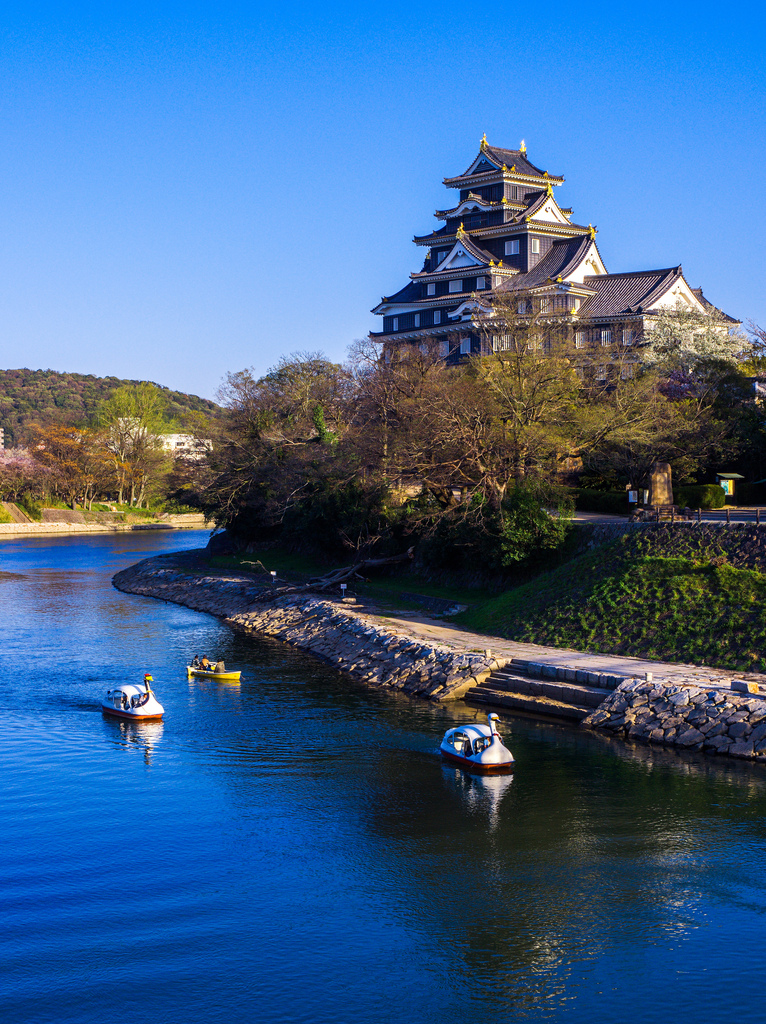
(141, 736)
(482, 794)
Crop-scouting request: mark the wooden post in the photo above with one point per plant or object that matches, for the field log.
(699, 515)
(728, 514)
(672, 515)
(758, 516)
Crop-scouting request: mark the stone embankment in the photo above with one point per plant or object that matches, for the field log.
(366, 650)
(691, 708)
(717, 721)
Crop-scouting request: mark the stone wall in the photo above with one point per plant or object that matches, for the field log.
(694, 718)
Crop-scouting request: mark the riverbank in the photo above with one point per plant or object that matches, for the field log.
(182, 521)
(687, 706)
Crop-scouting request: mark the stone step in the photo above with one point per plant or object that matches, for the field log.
(539, 706)
(544, 670)
(565, 693)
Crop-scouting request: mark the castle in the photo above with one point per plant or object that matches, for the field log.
(507, 234)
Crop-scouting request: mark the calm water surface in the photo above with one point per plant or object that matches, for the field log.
(291, 849)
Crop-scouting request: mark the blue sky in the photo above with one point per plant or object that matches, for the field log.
(190, 189)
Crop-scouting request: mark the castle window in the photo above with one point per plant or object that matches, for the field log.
(601, 373)
(431, 289)
(442, 255)
(417, 319)
(606, 337)
(465, 346)
(512, 247)
(522, 307)
(579, 339)
(444, 348)
(395, 324)
(545, 305)
(535, 245)
(627, 371)
(437, 316)
(456, 286)
(627, 337)
(480, 283)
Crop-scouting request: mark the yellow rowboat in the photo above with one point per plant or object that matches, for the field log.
(224, 677)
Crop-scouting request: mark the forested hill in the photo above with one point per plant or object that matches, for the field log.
(28, 397)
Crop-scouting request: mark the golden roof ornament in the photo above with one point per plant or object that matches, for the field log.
(523, 148)
(591, 232)
(503, 168)
(460, 230)
(549, 189)
(513, 168)
(484, 141)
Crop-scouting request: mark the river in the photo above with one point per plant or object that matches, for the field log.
(291, 849)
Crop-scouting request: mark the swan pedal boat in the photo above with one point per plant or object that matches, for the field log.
(134, 702)
(231, 677)
(477, 748)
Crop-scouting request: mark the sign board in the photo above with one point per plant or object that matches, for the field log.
(633, 497)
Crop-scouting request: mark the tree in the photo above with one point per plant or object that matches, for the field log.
(131, 422)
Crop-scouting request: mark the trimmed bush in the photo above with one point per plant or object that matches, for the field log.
(701, 496)
(612, 502)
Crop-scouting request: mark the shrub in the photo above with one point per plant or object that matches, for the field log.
(32, 508)
(613, 502)
(701, 496)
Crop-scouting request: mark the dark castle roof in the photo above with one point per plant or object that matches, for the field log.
(509, 157)
(628, 293)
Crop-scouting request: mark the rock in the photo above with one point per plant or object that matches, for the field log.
(689, 737)
(741, 749)
(738, 729)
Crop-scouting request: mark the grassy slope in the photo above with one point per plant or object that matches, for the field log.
(618, 600)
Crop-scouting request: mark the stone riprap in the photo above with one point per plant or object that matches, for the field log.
(717, 721)
(366, 650)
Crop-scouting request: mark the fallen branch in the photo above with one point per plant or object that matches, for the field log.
(333, 579)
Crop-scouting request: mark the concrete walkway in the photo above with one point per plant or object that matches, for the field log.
(425, 628)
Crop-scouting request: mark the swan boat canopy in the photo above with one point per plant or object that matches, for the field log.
(478, 748)
(136, 702)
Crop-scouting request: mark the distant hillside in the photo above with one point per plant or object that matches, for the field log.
(45, 396)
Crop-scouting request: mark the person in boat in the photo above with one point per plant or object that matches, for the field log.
(205, 664)
(196, 661)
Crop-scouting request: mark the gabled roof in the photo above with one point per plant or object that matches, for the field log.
(512, 158)
(629, 293)
(561, 260)
(710, 308)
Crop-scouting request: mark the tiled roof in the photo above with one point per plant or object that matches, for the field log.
(710, 308)
(628, 293)
(409, 293)
(509, 157)
(560, 260)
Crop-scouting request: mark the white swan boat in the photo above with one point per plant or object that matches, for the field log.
(134, 702)
(478, 748)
